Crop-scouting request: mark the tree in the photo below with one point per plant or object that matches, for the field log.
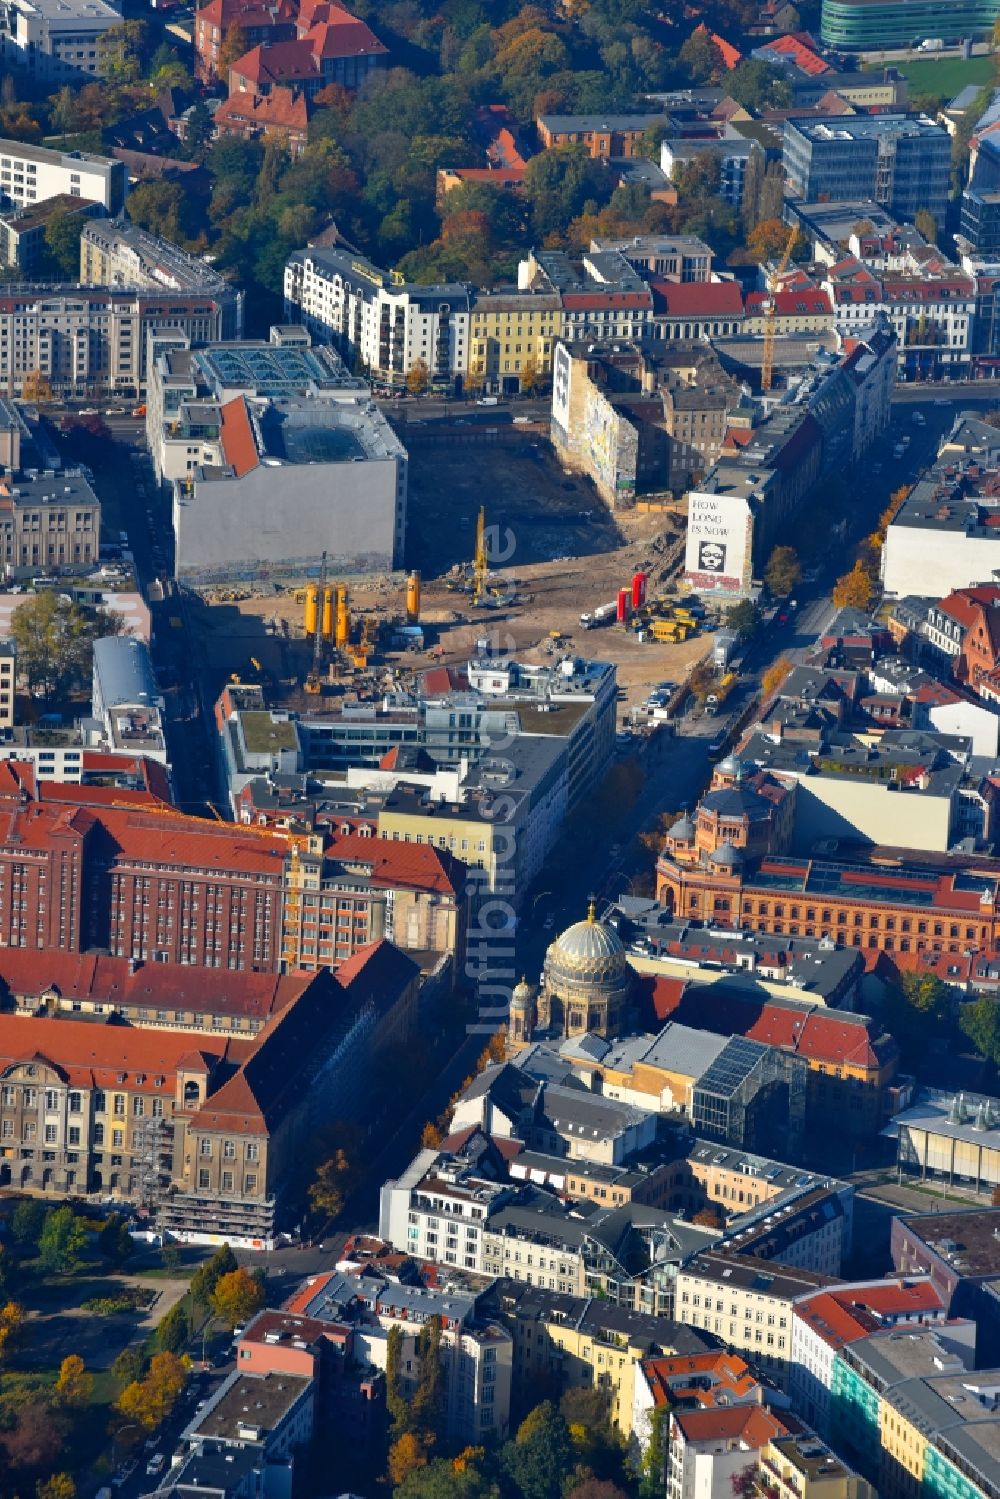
(26, 1222)
(406, 1455)
(856, 589)
(74, 1385)
(207, 1276)
(596, 1488)
(35, 1440)
(530, 376)
(11, 1322)
(926, 224)
(59, 1486)
(744, 617)
(128, 1366)
(122, 51)
(417, 377)
(654, 1462)
(149, 1401)
(540, 1457)
(61, 1241)
(428, 1398)
(237, 1297)
(174, 1330)
(775, 675)
(332, 1184)
(235, 44)
(700, 57)
(114, 1240)
(55, 640)
(36, 387)
(916, 1010)
(430, 1136)
(62, 241)
(980, 1022)
(783, 571)
(459, 1478)
(758, 85)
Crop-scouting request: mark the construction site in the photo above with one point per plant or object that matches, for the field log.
(506, 549)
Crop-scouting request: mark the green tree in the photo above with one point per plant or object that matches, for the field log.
(114, 1240)
(26, 1222)
(55, 640)
(61, 1241)
(198, 132)
(445, 1478)
(758, 85)
(428, 1399)
(237, 1297)
(783, 571)
(173, 1330)
(980, 1022)
(128, 1367)
(744, 617)
(654, 1460)
(700, 57)
(540, 1458)
(207, 1276)
(123, 50)
(559, 185)
(62, 241)
(235, 44)
(917, 1011)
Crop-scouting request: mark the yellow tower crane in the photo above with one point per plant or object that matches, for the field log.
(771, 315)
(480, 565)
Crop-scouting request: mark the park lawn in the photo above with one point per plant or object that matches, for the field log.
(946, 76)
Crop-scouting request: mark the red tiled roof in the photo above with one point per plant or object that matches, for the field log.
(272, 63)
(335, 33)
(754, 1425)
(668, 1377)
(840, 1317)
(412, 866)
(281, 109)
(697, 298)
(803, 57)
(89, 1055)
(792, 303)
(157, 986)
(238, 444)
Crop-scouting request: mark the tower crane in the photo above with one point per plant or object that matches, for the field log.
(771, 315)
(312, 683)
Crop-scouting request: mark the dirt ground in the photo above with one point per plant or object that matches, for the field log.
(556, 542)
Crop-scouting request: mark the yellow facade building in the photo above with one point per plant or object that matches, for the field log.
(512, 339)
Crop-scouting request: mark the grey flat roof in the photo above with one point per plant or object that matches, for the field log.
(123, 667)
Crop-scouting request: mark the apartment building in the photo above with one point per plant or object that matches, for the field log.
(119, 254)
(665, 1383)
(800, 1466)
(931, 307)
(710, 1451)
(358, 889)
(378, 321)
(512, 335)
(92, 342)
(22, 230)
(30, 174)
(601, 293)
(747, 1301)
(58, 42)
(914, 1416)
(267, 1418)
(50, 524)
(828, 1320)
(475, 1347)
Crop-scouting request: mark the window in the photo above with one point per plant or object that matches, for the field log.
(227, 1181)
(75, 1103)
(203, 1178)
(50, 1134)
(204, 1146)
(51, 1099)
(252, 1151)
(138, 1107)
(229, 1150)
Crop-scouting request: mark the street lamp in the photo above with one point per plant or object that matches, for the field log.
(129, 1426)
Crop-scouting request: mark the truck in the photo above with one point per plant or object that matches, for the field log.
(672, 630)
(604, 614)
(932, 44)
(724, 647)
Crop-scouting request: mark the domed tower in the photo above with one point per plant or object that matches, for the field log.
(680, 839)
(522, 1015)
(586, 981)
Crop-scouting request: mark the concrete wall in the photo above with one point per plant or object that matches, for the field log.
(934, 562)
(281, 519)
(845, 807)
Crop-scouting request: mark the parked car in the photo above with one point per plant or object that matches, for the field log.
(156, 1465)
